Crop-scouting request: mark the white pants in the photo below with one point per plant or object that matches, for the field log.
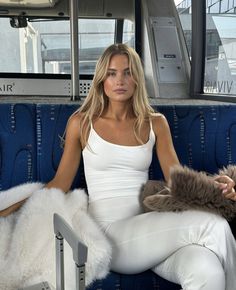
(194, 249)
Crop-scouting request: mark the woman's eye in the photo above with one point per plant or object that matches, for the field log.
(127, 73)
(111, 74)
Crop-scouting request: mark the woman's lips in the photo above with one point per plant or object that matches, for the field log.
(120, 91)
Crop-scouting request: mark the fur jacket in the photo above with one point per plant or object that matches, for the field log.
(189, 189)
(27, 242)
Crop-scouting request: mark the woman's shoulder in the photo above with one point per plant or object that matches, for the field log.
(76, 119)
(74, 122)
(159, 122)
(78, 126)
(158, 119)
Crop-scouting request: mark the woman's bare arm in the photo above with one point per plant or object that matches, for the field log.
(11, 209)
(70, 160)
(164, 145)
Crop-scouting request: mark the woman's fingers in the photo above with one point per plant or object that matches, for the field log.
(227, 185)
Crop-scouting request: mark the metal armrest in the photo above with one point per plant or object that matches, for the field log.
(63, 231)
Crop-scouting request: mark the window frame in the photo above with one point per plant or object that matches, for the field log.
(198, 56)
(12, 79)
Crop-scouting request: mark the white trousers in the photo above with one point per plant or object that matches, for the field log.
(193, 248)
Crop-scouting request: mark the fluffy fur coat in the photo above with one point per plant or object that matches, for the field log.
(27, 242)
(189, 189)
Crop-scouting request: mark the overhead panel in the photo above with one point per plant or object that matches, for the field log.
(90, 8)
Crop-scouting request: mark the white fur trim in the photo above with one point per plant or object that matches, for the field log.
(27, 243)
(15, 194)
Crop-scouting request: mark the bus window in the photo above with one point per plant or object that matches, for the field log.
(184, 9)
(43, 47)
(220, 61)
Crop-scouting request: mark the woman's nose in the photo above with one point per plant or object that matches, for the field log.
(120, 78)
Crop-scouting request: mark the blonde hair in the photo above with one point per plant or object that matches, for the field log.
(96, 101)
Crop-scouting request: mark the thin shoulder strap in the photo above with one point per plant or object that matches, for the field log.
(150, 121)
(152, 133)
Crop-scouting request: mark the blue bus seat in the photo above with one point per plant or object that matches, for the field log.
(204, 138)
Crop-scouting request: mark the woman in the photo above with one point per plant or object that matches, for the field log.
(115, 130)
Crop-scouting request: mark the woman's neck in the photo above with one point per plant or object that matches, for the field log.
(119, 111)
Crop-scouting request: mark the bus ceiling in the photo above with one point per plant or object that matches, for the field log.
(62, 8)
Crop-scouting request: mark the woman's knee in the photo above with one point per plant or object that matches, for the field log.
(199, 268)
(193, 267)
(210, 274)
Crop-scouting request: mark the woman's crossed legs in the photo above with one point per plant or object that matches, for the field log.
(193, 248)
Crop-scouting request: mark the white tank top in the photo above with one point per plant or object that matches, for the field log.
(113, 170)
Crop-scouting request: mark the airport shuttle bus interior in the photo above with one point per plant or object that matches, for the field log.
(48, 54)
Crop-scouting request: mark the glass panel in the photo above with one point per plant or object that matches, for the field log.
(231, 10)
(231, 5)
(224, 6)
(128, 33)
(215, 8)
(211, 2)
(220, 64)
(184, 10)
(44, 46)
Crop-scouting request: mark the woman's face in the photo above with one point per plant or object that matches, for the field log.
(119, 85)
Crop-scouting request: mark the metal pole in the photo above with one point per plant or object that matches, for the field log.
(80, 277)
(62, 231)
(74, 36)
(60, 282)
(198, 46)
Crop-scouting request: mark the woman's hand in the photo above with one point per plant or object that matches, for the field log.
(227, 185)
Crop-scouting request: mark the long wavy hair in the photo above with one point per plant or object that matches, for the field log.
(96, 101)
